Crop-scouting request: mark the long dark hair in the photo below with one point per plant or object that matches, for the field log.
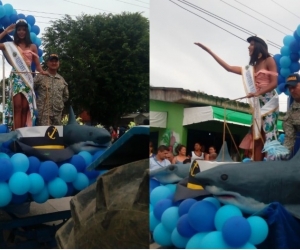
(258, 49)
(27, 39)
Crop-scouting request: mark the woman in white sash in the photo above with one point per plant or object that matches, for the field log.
(19, 111)
(265, 78)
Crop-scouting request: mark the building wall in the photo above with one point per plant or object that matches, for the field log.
(175, 132)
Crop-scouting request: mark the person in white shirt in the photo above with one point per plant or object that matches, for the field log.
(197, 154)
(160, 159)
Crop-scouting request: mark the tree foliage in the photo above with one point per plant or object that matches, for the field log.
(105, 61)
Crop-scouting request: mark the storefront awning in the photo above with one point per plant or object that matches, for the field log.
(211, 113)
(158, 119)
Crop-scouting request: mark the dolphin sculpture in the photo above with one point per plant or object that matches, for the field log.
(253, 186)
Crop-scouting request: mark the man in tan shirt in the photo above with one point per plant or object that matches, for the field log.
(52, 92)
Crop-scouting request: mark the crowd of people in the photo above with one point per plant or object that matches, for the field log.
(164, 157)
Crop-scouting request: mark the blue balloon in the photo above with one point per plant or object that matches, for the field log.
(248, 245)
(91, 174)
(185, 206)
(13, 18)
(194, 242)
(160, 207)
(280, 79)
(2, 11)
(30, 20)
(0, 2)
(184, 228)
(236, 231)
(201, 216)
(213, 201)
(48, 170)
(97, 154)
(277, 59)
(29, 27)
(67, 172)
(294, 67)
(294, 57)
(172, 187)
(224, 213)
(159, 193)
(178, 240)
(87, 157)
(79, 162)
(5, 21)
(285, 61)
(70, 189)
(287, 92)
(8, 9)
(285, 72)
(38, 41)
(36, 183)
(153, 184)
(57, 188)
(281, 88)
(285, 51)
(259, 229)
(247, 160)
(298, 30)
(35, 29)
(169, 218)
(171, 197)
(19, 199)
(42, 196)
(33, 37)
(34, 165)
(213, 240)
(296, 36)
(162, 236)
(151, 208)
(287, 40)
(6, 169)
(153, 221)
(4, 156)
(41, 59)
(81, 182)
(5, 194)
(294, 46)
(4, 129)
(15, 12)
(20, 162)
(21, 16)
(19, 183)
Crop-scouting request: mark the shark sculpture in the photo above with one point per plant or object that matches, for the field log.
(252, 186)
(71, 139)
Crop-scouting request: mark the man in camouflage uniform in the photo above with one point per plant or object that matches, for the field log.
(52, 92)
(291, 123)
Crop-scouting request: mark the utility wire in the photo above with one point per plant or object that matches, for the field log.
(46, 12)
(252, 17)
(285, 9)
(263, 15)
(142, 2)
(88, 6)
(133, 4)
(228, 22)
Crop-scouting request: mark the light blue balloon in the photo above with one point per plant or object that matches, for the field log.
(162, 236)
(169, 218)
(38, 41)
(36, 183)
(285, 72)
(288, 39)
(248, 245)
(259, 229)
(67, 172)
(42, 196)
(153, 221)
(285, 62)
(57, 188)
(285, 51)
(29, 27)
(224, 213)
(2, 11)
(213, 201)
(3, 155)
(298, 30)
(88, 158)
(81, 181)
(20, 162)
(150, 208)
(33, 37)
(19, 183)
(172, 187)
(195, 241)
(159, 193)
(15, 12)
(178, 240)
(41, 59)
(8, 9)
(213, 240)
(5, 194)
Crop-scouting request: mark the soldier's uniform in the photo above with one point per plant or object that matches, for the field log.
(291, 125)
(52, 92)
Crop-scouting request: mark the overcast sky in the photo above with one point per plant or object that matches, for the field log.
(177, 62)
(46, 10)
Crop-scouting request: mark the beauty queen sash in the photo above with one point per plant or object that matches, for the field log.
(257, 111)
(16, 60)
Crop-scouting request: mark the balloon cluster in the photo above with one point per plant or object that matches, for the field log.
(25, 178)
(201, 224)
(288, 60)
(8, 16)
